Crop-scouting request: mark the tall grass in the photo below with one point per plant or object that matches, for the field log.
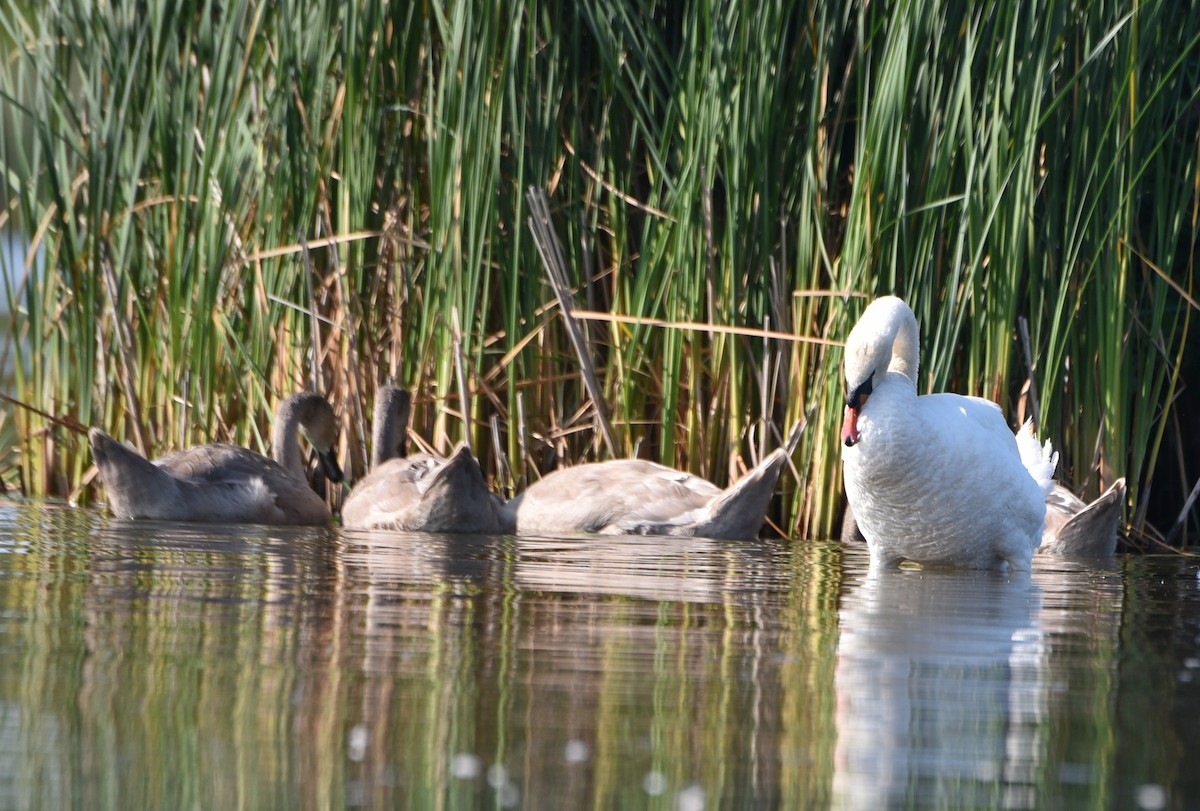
(240, 200)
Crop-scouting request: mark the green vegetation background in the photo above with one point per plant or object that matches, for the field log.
(236, 200)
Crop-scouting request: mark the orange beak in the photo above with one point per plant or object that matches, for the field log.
(850, 435)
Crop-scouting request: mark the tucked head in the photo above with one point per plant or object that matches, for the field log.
(111, 456)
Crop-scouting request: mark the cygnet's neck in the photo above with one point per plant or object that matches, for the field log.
(390, 438)
(285, 439)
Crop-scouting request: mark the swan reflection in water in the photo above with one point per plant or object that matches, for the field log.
(944, 682)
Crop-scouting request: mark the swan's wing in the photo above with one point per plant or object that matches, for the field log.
(226, 483)
(1062, 502)
(217, 463)
(736, 513)
(987, 436)
(652, 493)
(976, 419)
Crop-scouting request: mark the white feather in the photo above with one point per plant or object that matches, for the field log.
(1040, 460)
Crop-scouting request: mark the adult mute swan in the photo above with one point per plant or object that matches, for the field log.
(637, 497)
(422, 492)
(219, 483)
(937, 478)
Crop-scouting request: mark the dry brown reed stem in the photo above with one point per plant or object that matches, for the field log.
(550, 251)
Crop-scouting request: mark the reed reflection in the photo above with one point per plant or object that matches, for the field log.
(172, 665)
(153, 664)
(602, 672)
(183, 666)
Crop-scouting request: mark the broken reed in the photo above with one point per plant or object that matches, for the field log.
(236, 203)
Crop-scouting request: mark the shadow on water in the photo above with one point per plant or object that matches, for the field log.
(163, 665)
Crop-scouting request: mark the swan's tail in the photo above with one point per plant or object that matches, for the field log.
(1078, 530)
(135, 487)
(1040, 460)
(738, 513)
(457, 498)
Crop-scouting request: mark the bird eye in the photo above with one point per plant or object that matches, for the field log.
(854, 399)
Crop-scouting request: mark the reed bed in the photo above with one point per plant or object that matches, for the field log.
(237, 200)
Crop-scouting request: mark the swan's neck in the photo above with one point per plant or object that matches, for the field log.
(285, 442)
(906, 346)
(381, 449)
(391, 426)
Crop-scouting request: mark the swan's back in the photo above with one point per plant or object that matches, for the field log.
(634, 496)
(608, 497)
(210, 483)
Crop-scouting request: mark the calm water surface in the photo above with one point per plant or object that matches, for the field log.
(165, 666)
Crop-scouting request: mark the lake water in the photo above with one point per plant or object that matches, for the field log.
(166, 666)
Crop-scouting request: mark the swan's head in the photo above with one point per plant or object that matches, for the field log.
(856, 398)
(884, 339)
(319, 424)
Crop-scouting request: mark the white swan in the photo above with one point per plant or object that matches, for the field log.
(219, 483)
(637, 497)
(422, 492)
(938, 478)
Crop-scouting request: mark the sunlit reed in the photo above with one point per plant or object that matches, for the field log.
(235, 203)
